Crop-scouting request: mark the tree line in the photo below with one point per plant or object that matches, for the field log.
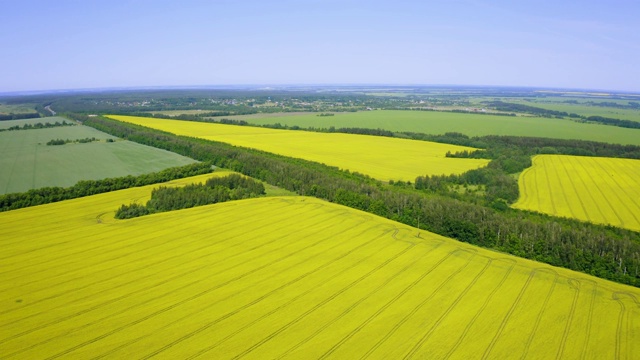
(37, 126)
(79, 141)
(634, 105)
(528, 109)
(604, 251)
(493, 146)
(4, 117)
(505, 106)
(333, 129)
(615, 122)
(214, 190)
(82, 188)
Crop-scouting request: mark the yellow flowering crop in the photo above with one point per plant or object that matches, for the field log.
(383, 158)
(599, 190)
(285, 277)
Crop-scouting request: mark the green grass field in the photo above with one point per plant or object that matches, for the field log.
(28, 163)
(431, 122)
(17, 109)
(584, 109)
(50, 120)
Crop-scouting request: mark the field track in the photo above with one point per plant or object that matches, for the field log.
(383, 158)
(598, 190)
(285, 277)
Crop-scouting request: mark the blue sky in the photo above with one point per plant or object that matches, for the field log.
(90, 44)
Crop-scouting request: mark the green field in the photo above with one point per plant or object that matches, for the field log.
(432, 122)
(52, 119)
(28, 163)
(584, 109)
(17, 108)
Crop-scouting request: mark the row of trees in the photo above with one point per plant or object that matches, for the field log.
(516, 148)
(201, 117)
(534, 110)
(214, 190)
(37, 126)
(615, 122)
(607, 252)
(12, 116)
(333, 129)
(505, 106)
(630, 105)
(79, 141)
(91, 187)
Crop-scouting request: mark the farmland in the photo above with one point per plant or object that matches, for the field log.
(599, 190)
(27, 163)
(436, 122)
(379, 157)
(285, 277)
(576, 105)
(239, 117)
(16, 108)
(584, 109)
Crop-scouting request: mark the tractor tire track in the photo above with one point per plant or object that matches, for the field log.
(428, 334)
(419, 306)
(480, 311)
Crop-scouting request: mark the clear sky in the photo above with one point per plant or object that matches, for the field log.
(65, 44)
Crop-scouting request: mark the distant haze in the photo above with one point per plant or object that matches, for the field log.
(93, 44)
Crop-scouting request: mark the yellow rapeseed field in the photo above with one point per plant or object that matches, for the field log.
(285, 277)
(382, 158)
(599, 190)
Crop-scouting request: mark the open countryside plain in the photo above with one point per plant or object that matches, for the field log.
(382, 158)
(17, 108)
(285, 277)
(438, 122)
(585, 109)
(599, 190)
(28, 163)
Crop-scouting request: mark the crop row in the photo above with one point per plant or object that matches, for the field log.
(599, 190)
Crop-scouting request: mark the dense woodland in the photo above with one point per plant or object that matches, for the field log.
(615, 122)
(214, 190)
(78, 141)
(20, 116)
(604, 251)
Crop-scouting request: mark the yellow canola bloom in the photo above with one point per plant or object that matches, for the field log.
(598, 190)
(285, 277)
(382, 158)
